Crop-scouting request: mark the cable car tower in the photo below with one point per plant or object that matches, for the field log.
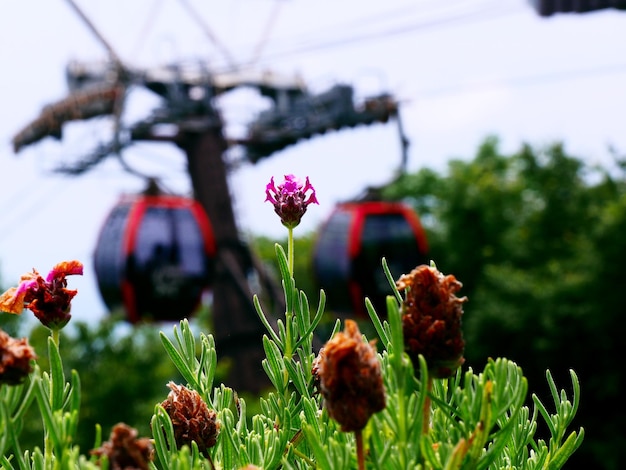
(188, 118)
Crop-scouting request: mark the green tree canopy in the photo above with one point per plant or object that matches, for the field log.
(537, 238)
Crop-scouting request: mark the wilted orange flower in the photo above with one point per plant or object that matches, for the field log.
(49, 299)
(191, 418)
(124, 451)
(431, 319)
(15, 357)
(350, 378)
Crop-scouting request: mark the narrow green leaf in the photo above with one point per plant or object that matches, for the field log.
(275, 362)
(576, 393)
(316, 320)
(570, 445)
(553, 389)
(57, 376)
(377, 323)
(38, 460)
(500, 440)
(74, 402)
(6, 464)
(303, 314)
(46, 413)
(288, 281)
(160, 423)
(188, 346)
(263, 318)
(179, 361)
(228, 445)
(395, 323)
(391, 281)
(319, 450)
(28, 396)
(5, 422)
(544, 413)
(296, 374)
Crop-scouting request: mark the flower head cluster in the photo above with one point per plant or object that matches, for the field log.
(290, 199)
(350, 378)
(124, 451)
(431, 319)
(49, 299)
(191, 418)
(15, 357)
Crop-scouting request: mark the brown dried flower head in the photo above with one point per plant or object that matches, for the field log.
(431, 319)
(350, 378)
(191, 418)
(124, 451)
(15, 359)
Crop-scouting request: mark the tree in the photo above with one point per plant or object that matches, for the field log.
(537, 240)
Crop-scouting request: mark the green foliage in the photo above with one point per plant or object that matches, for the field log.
(471, 421)
(537, 239)
(264, 249)
(123, 372)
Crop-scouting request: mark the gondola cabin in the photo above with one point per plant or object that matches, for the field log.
(350, 246)
(154, 257)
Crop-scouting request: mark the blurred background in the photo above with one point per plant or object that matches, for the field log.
(511, 150)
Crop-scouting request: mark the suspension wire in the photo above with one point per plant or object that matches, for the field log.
(413, 27)
(265, 35)
(523, 81)
(378, 18)
(147, 26)
(31, 207)
(208, 32)
(92, 27)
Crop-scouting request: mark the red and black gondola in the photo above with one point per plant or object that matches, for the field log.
(154, 257)
(351, 244)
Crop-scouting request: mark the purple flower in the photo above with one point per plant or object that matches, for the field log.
(290, 199)
(49, 299)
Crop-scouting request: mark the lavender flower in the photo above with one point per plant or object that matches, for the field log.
(290, 199)
(48, 298)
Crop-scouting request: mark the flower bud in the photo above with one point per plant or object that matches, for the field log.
(290, 199)
(350, 378)
(15, 359)
(431, 319)
(191, 418)
(124, 451)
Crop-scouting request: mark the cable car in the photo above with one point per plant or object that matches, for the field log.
(351, 244)
(154, 257)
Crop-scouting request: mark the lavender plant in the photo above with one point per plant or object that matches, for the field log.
(398, 401)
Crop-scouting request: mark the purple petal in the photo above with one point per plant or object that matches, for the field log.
(25, 286)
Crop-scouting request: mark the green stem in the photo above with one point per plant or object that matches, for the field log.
(427, 405)
(360, 455)
(290, 251)
(289, 314)
(48, 444)
(56, 336)
(402, 421)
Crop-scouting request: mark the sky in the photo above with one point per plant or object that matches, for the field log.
(461, 69)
